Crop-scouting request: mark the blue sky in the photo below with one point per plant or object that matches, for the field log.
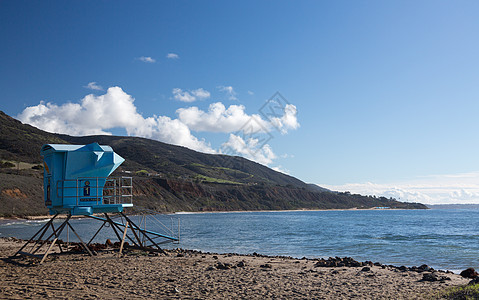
(383, 94)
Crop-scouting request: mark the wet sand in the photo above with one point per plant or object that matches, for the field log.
(185, 274)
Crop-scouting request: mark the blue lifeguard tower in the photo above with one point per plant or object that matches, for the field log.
(76, 182)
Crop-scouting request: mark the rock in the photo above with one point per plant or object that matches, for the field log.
(355, 264)
(434, 277)
(221, 266)
(266, 266)
(240, 264)
(443, 278)
(469, 273)
(474, 281)
(430, 277)
(423, 268)
(366, 269)
(215, 257)
(340, 262)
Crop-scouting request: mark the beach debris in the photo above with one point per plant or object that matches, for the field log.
(298, 292)
(469, 273)
(77, 247)
(13, 239)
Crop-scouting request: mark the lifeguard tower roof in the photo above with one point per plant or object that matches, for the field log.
(76, 180)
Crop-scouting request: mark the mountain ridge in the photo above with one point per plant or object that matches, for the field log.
(167, 178)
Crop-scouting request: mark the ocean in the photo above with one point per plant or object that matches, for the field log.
(444, 239)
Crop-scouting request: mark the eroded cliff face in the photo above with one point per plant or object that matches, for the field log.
(21, 195)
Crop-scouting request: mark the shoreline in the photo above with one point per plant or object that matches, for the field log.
(62, 216)
(329, 260)
(193, 274)
(290, 210)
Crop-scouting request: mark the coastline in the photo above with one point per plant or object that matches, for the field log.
(382, 236)
(292, 210)
(193, 274)
(40, 217)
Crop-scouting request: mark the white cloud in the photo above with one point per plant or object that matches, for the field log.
(436, 189)
(190, 96)
(250, 93)
(147, 59)
(98, 115)
(201, 93)
(229, 91)
(172, 56)
(93, 86)
(251, 149)
(288, 120)
(179, 95)
(220, 119)
(115, 109)
(280, 169)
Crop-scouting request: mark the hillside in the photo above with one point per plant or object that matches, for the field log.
(167, 178)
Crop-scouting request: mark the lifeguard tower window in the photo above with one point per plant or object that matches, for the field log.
(76, 180)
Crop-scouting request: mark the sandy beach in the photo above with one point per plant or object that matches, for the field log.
(184, 274)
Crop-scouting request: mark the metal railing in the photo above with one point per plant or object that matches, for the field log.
(115, 190)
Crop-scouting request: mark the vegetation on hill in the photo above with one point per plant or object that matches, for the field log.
(167, 178)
